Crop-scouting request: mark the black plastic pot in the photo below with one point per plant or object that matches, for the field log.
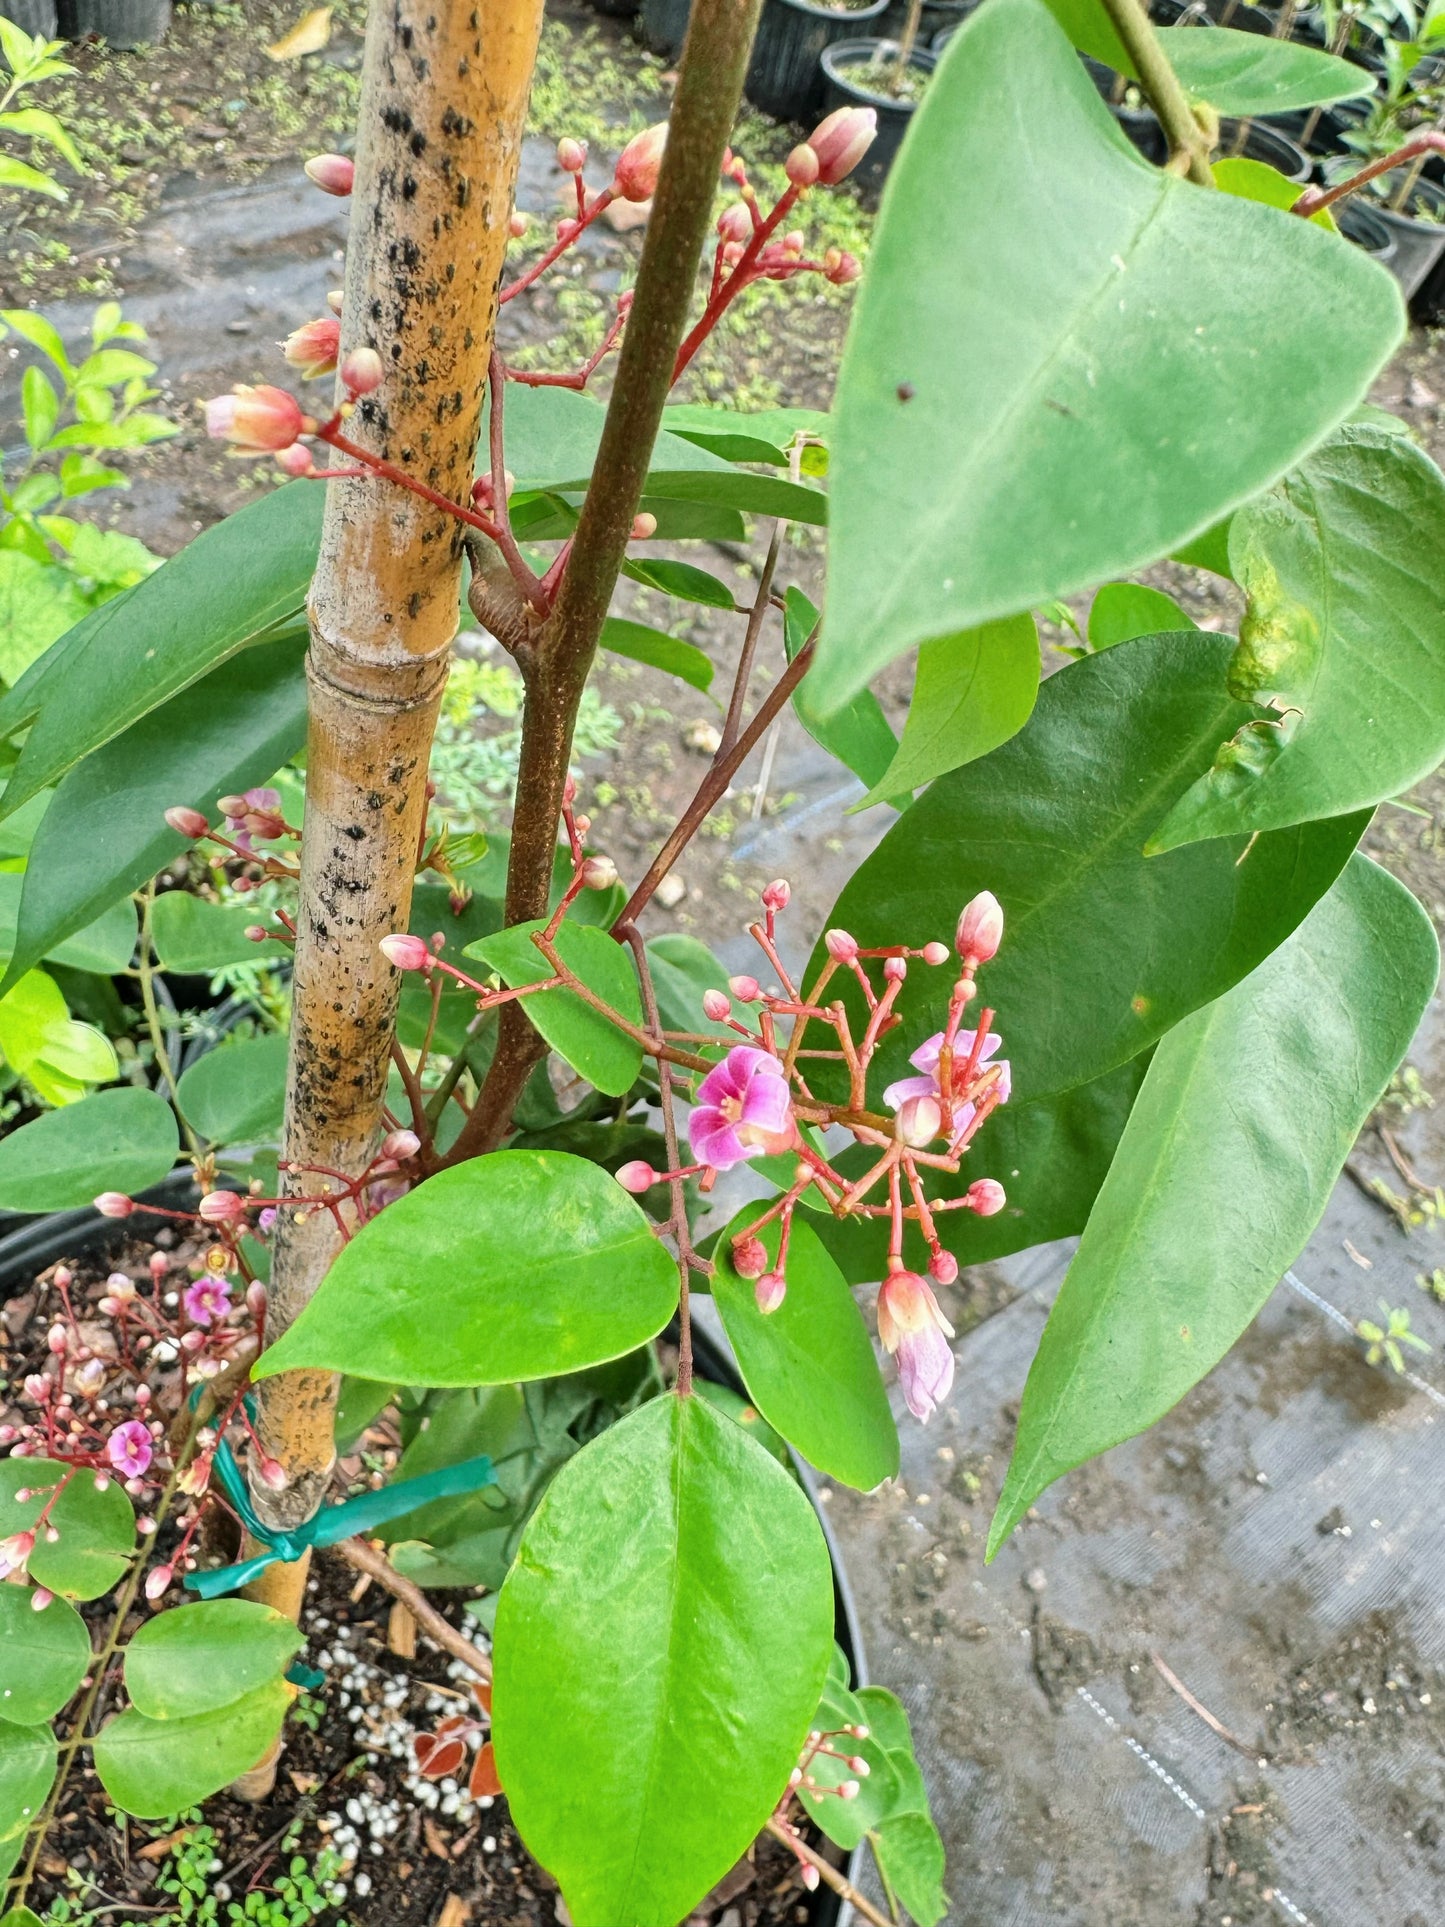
(785, 77)
(123, 24)
(1244, 19)
(936, 18)
(620, 9)
(1263, 142)
(847, 88)
(31, 16)
(1366, 227)
(1326, 129)
(663, 24)
(1419, 246)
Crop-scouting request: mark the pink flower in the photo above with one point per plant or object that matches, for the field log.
(743, 1107)
(14, 1551)
(129, 1448)
(639, 164)
(313, 349)
(259, 420)
(841, 141)
(926, 1059)
(916, 1332)
(209, 1298)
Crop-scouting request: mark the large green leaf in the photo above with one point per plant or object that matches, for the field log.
(858, 734)
(846, 1821)
(683, 970)
(1251, 73)
(236, 1093)
(910, 1858)
(47, 1655)
(27, 1769)
(197, 1659)
(103, 947)
(193, 935)
(224, 591)
(606, 1056)
(155, 1767)
(973, 691)
(518, 1265)
(1344, 570)
(105, 833)
(809, 1366)
(118, 1140)
(763, 435)
(96, 1527)
(661, 1644)
(657, 648)
(1245, 1118)
(1064, 362)
(1122, 610)
(1103, 949)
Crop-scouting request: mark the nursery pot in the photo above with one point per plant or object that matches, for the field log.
(664, 24)
(622, 9)
(1263, 142)
(120, 23)
(784, 75)
(847, 87)
(31, 16)
(1367, 228)
(1418, 246)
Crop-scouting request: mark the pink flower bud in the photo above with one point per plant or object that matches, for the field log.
(8, 1433)
(158, 1265)
(571, 156)
(312, 350)
(157, 1583)
(187, 822)
(256, 933)
(567, 227)
(986, 1196)
(297, 460)
(895, 969)
(750, 1257)
(840, 267)
(259, 419)
(777, 894)
(332, 173)
(361, 371)
(802, 166)
(114, 1204)
(400, 1145)
(920, 1120)
(569, 790)
(732, 253)
(192, 1341)
(639, 164)
(644, 527)
(841, 141)
(735, 223)
(90, 1377)
(255, 1298)
(37, 1386)
(273, 1475)
(636, 1176)
(40, 1599)
(770, 1291)
(943, 1267)
(233, 807)
(407, 953)
(715, 1007)
(15, 1550)
(808, 1874)
(221, 1207)
(599, 873)
(840, 946)
(57, 1340)
(848, 1790)
(336, 299)
(582, 823)
(980, 929)
(935, 953)
(747, 990)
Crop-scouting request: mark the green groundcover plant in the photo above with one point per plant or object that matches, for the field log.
(467, 1187)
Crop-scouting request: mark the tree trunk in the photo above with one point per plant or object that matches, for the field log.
(443, 108)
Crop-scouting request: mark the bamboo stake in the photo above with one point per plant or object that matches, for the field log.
(443, 108)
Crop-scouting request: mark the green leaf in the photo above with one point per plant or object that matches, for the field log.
(192, 935)
(683, 970)
(809, 1366)
(47, 1655)
(224, 591)
(737, 436)
(1245, 1118)
(359, 1402)
(105, 832)
(1251, 73)
(197, 1659)
(118, 1140)
(18, 1916)
(1254, 181)
(97, 1529)
(910, 1858)
(41, 406)
(514, 1266)
(1103, 949)
(1090, 29)
(973, 691)
(28, 1757)
(724, 1399)
(641, 644)
(38, 602)
(39, 332)
(38, 125)
(847, 1821)
(1179, 349)
(103, 947)
(236, 1093)
(680, 579)
(1343, 567)
(19, 174)
(151, 1768)
(1050, 1157)
(858, 734)
(488, 1421)
(606, 1056)
(661, 1645)
(1122, 610)
(42, 1043)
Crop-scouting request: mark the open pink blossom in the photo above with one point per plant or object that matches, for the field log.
(129, 1448)
(916, 1332)
(926, 1059)
(207, 1299)
(743, 1107)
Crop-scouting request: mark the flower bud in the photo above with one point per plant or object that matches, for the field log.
(90, 1377)
(567, 227)
(639, 164)
(312, 349)
(747, 990)
(517, 223)
(808, 1874)
(273, 1475)
(840, 267)
(581, 823)
(158, 1265)
(770, 1291)
(848, 1790)
(776, 896)
(986, 1196)
(256, 1298)
(261, 420)
(361, 371)
(400, 1145)
(157, 1582)
(802, 165)
(234, 808)
(571, 156)
(336, 299)
(221, 1207)
(735, 223)
(406, 953)
(920, 1120)
(935, 953)
(114, 1204)
(332, 173)
(715, 1007)
(598, 873)
(636, 1176)
(943, 1267)
(57, 1341)
(187, 822)
(297, 460)
(40, 1599)
(192, 1341)
(895, 969)
(750, 1257)
(841, 141)
(980, 929)
(256, 933)
(37, 1386)
(644, 527)
(840, 946)
(733, 252)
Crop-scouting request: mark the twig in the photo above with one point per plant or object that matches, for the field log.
(756, 617)
(1402, 1164)
(1196, 1706)
(365, 1558)
(1186, 137)
(840, 1883)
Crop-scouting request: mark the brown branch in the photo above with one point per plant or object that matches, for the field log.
(827, 1872)
(365, 1558)
(761, 603)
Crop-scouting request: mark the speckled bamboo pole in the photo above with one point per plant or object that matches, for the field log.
(443, 108)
